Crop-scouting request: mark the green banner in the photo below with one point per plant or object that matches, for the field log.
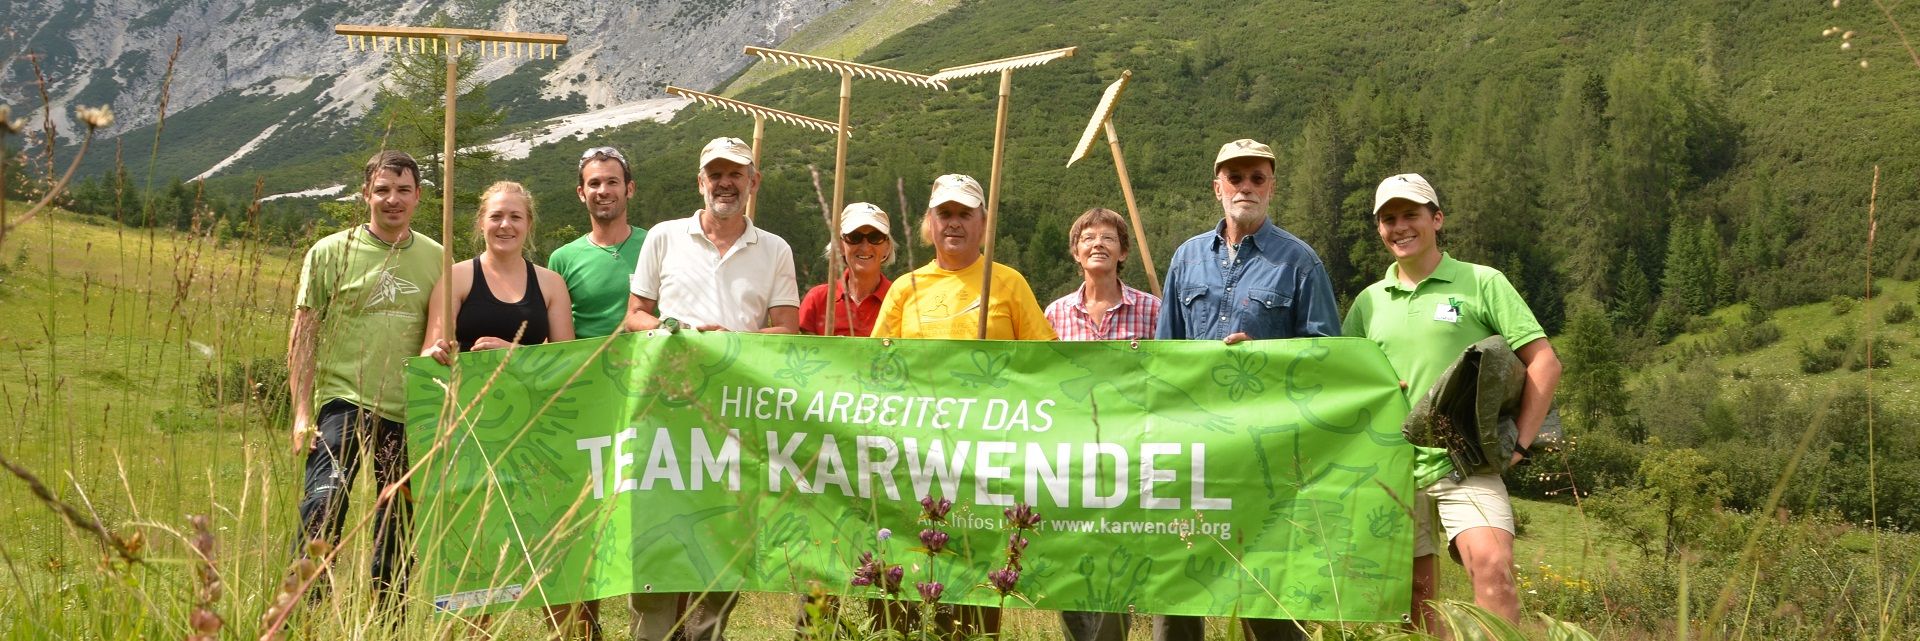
(1265, 479)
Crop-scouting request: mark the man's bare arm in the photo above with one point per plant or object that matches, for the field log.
(640, 313)
(300, 370)
(1543, 377)
(782, 320)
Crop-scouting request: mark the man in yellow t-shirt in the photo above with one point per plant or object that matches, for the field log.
(942, 298)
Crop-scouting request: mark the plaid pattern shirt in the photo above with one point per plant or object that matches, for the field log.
(1132, 319)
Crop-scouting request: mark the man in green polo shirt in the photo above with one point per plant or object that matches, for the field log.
(598, 265)
(359, 312)
(1423, 314)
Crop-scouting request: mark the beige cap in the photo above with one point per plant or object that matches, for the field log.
(1406, 187)
(732, 149)
(957, 188)
(1242, 148)
(859, 215)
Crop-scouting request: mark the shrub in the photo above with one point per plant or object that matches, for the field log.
(1819, 361)
(262, 380)
(1747, 338)
(1842, 305)
(1899, 313)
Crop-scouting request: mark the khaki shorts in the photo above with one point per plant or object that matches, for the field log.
(1479, 501)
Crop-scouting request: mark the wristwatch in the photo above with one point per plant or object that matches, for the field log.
(671, 324)
(1526, 454)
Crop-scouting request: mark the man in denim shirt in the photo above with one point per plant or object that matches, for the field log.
(1245, 279)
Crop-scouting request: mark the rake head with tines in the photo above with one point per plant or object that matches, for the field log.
(842, 66)
(435, 39)
(1101, 113)
(1003, 64)
(757, 111)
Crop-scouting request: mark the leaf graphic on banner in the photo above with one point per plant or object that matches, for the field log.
(801, 365)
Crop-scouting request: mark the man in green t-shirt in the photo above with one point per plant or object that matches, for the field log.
(598, 265)
(1423, 314)
(359, 312)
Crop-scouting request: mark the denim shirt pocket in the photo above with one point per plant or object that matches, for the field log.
(1266, 313)
(1198, 306)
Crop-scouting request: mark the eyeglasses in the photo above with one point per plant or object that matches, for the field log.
(597, 153)
(1099, 238)
(874, 237)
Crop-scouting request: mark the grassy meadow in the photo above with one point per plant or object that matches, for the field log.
(146, 390)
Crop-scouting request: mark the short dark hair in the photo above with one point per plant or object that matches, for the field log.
(390, 160)
(1098, 216)
(604, 153)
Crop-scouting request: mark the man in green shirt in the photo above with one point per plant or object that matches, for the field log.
(359, 312)
(1423, 314)
(598, 265)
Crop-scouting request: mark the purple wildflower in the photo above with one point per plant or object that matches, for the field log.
(930, 590)
(934, 539)
(1003, 579)
(868, 570)
(935, 511)
(1021, 517)
(884, 534)
(890, 581)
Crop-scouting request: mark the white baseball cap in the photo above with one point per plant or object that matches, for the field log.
(859, 215)
(1405, 187)
(732, 149)
(1242, 148)
(959, 188)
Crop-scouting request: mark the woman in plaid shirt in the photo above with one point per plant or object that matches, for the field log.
(1103, 308)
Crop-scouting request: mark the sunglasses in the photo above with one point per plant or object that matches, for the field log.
(871, 238)
(597, 153)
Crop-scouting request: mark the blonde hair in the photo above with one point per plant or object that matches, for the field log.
(495, 189)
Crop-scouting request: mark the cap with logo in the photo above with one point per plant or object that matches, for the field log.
(859, 215)
(1242, 148)
(732, 149)
(1410, 187)
(957, 188)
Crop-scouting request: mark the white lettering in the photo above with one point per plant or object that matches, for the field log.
(1151, 476)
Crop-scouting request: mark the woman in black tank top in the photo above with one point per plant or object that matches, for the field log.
(482, 314)
(540, 311)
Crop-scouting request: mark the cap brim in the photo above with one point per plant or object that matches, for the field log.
(729, 157)
(1417, 199)
(969, 201)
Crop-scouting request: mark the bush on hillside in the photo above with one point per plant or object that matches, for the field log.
(1841, 304)
(1819, 360)
(1899, 313)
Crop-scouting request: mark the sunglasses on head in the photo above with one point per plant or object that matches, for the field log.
(874, 237)
(601, 152)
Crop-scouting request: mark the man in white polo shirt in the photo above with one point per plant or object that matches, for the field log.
(712, 271)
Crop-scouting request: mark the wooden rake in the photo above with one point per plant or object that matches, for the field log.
(1004, 67)
(1103, 118)
(760, 117)
(454, 43)
(847, 71)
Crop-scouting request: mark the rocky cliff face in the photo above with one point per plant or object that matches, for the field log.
(117, 51)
